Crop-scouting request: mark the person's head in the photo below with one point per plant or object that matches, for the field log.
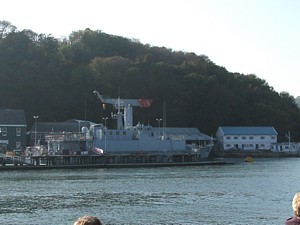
(296, 204)
(88, 220)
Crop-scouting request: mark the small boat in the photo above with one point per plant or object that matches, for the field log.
(249, 159)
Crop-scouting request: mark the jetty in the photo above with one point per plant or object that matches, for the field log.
(105, 161)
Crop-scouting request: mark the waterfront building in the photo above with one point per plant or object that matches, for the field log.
(12, 130)
(246, 138)
(289, 147)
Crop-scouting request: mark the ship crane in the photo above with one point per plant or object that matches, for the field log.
(124, 108)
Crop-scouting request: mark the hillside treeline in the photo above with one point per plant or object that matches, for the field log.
(55, 79)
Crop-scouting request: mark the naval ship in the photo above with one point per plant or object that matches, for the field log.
(128, 138)
(97, 144)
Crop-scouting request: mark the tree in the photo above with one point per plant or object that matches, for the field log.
(298, 101)
(55, 79)
(5, 28)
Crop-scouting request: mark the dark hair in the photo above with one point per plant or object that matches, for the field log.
(88, 220)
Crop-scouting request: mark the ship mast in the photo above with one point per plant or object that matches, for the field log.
(124, 108)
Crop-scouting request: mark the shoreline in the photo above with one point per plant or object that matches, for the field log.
(258, 154)
(108, 166)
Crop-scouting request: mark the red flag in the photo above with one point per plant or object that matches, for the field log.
(145, 103)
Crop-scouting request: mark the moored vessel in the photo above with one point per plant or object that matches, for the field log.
(126, 144)
(127, 141)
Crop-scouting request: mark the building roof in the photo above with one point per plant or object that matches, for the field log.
(12, 117)
(248, 130)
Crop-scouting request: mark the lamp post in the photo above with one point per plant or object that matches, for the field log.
(158, 121)
(159, 137)
(105, 118)
(35, 119)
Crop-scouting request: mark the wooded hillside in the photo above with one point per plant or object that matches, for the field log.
(55, 79)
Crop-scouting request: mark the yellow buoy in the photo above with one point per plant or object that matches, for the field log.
(249, 159)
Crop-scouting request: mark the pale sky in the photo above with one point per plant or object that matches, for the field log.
(258, 37)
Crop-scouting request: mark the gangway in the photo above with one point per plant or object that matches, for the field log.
(16, 159)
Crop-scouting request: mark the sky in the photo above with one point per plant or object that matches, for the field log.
(258, 37)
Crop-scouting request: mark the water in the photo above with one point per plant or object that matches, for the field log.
(255, 193)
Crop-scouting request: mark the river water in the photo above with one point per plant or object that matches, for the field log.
(255, 193)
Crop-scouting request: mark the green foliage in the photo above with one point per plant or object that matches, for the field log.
(55, 79)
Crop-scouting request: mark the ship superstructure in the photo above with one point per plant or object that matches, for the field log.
(140, 138)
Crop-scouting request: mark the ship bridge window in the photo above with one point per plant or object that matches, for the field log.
(124, 132)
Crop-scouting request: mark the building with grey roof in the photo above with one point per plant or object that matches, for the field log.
(246, 138)
(12, 129)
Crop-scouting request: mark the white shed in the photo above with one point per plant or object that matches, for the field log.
(246, 138)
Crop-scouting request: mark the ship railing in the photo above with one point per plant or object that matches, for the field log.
(16, 159)
(65, 137)
(176, 137)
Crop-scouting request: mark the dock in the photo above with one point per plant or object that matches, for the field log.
(107, 166)
(107, 161)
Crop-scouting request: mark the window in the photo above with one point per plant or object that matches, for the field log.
(4, 131)
(273, 137)
(236, 137)
(3, 145)
(227, 137)
(118, 133)
(262, 137)
(244, 138)
(251, 137)
(18, 131)
(228, 145)
(18, 145)
(124, 132)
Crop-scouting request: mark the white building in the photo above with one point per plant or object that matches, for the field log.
(246, 138)
(291, 147)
